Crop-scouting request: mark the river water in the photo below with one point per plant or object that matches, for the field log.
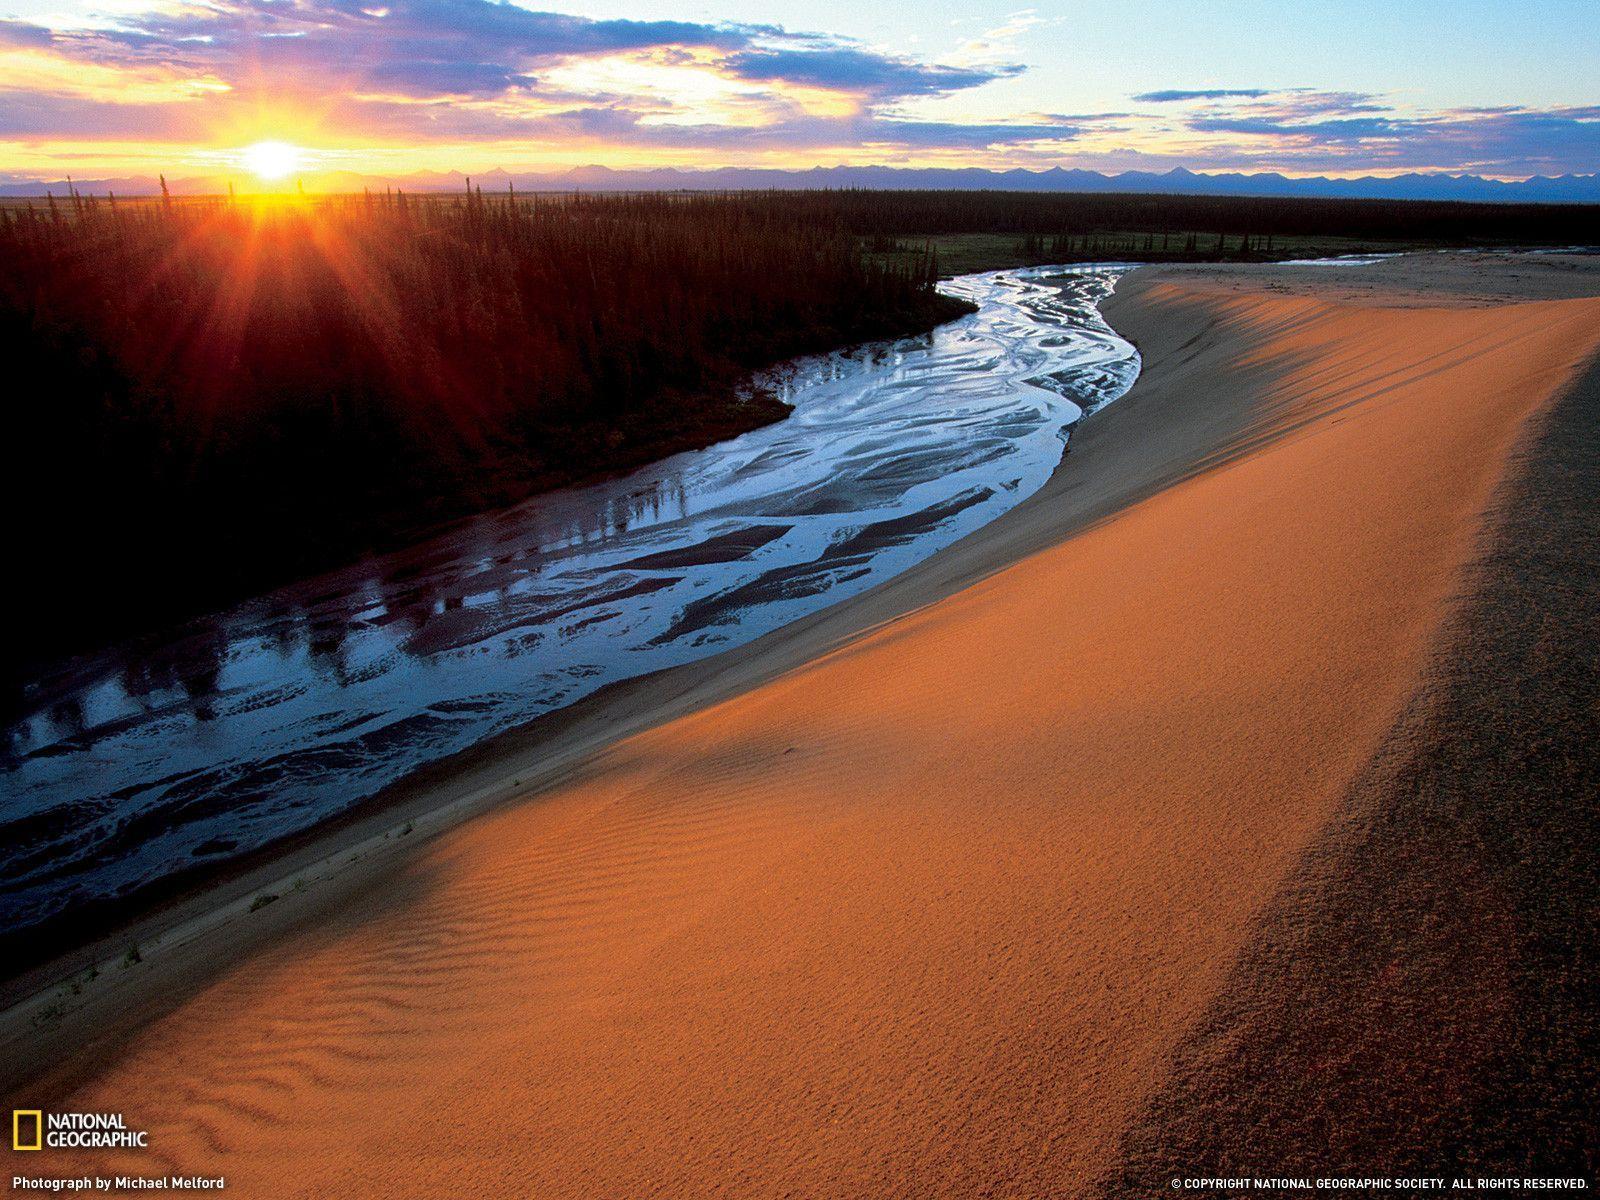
(217, 738)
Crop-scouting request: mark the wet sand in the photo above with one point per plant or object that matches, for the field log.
(943, 891)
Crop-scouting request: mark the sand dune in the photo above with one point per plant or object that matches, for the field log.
(933, 911)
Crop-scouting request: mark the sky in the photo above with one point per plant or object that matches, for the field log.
(106, 88)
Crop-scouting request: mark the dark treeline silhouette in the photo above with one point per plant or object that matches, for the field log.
(876, 214)
(210, 397)
(213, 396)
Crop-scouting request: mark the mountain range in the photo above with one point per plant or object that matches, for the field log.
(1562, 189)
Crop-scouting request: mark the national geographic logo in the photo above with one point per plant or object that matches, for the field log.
(27, 1129)
(32, 1129)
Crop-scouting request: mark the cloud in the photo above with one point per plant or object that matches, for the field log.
(852, 69)
(21, 34)
(34, 115)
(425, 48)
(1345, 130)
(1174, 95)
(997, 46)
(416, 47)
(1340, 130)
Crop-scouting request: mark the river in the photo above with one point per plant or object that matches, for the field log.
(214, 739)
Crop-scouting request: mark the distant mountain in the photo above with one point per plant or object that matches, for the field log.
(1562, 189)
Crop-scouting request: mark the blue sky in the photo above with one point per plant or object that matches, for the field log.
(1089, 52)
(1316, 87)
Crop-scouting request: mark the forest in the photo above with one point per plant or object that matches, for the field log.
(213, 396)
(1048, 214)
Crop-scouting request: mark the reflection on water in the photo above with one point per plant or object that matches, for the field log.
(264, 720)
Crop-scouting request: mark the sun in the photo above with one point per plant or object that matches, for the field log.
(272, 160)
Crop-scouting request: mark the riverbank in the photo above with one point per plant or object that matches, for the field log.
(923, 893)
(292, 386)
(162, 768)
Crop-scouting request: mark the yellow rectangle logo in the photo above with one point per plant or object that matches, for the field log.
(19, 1121)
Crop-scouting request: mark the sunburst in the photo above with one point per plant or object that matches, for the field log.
(272, 161)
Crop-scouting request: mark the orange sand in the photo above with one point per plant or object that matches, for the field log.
(927, 915)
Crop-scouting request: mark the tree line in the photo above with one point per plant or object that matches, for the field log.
(214, 396)
(879, 214)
